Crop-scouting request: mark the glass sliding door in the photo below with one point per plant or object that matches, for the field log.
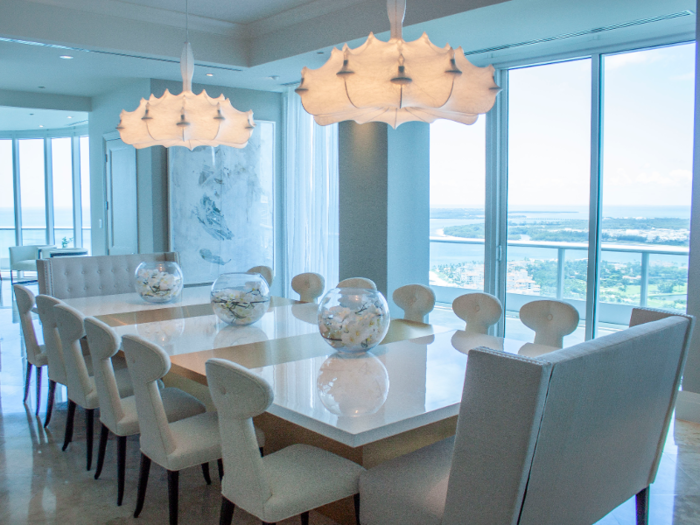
(549, 129)
(62, 169)
(7, 203)
(85, 192)
(32, 191)
(647, 171)
(457, 199)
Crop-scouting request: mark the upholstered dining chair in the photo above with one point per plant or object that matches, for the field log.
(416, 301)
(36, 354)
(551, 320)
(309, 286)
(523, 451)
(174, 446)
(81, 386)
(480, 311)
(265, 271)
(52, 346)
(357, 282)
(288, 482)
(118, 415)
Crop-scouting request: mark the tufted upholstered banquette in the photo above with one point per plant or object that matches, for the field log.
(68, 277)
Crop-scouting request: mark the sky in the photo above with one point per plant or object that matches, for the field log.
(647, 132)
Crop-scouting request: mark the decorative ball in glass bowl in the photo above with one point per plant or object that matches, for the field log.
(353, 320)
(158, 281)
(240, 298)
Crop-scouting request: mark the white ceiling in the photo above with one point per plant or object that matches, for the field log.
(244, 43)
(23, 119)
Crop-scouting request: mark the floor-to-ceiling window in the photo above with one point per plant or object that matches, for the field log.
(603, 139)
(50, 177)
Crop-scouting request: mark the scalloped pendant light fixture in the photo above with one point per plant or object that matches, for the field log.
(397, 81)
(186, 119)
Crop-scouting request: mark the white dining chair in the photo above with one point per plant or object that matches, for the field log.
(551, 320)
(416, 301)
(357, 282)
(265, 271)
(288, 482)
(174, 446)
(309, 286)
(118, 415)
(479, 310)
(81, 385)
(23, 259)
(36, 354)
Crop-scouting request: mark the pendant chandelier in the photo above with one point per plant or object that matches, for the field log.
(397, 81)
(186, 119)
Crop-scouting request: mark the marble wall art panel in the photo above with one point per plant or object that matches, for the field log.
(222, 206)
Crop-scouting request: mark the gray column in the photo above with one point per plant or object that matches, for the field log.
(384, 204)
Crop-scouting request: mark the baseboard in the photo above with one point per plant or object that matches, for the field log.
(688, 406)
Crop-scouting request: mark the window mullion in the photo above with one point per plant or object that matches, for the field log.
(48, 181)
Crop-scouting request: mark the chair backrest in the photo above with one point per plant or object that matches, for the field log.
(309, 286)
(416, 301)
(567, 437)
(240, 395)
(25, 303)
(70, 330)
(479, 310)
(147, 364)
(67, 277)
(357, 282)
(641, 315)
(605, 422)
(25, 253)
(551, 320)
(52, 341)
(265, 271)
(104, 343)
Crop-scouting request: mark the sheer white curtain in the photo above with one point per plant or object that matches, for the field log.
(311, 189)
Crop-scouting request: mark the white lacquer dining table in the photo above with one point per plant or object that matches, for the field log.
(413, 380)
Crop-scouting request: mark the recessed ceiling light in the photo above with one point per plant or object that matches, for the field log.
(210, 74)
(42, 87)
(273, 77)
(319, 52)
(70, 117)
(41, 126)
(66, 57)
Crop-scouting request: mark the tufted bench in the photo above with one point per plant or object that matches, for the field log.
(68, 277)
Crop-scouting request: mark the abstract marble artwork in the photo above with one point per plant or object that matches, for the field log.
(221, 206)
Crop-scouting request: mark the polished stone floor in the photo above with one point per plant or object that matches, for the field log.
(41, 484)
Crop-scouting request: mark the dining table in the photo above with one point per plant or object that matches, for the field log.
(402, 395)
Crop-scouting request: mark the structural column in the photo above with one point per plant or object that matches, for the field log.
(385, 204)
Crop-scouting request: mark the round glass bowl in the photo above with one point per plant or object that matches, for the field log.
(158, 281)
(240, 298)
(353, 320)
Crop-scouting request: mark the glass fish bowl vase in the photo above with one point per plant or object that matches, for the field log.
(353, 320)
(240, 299)
(158, 281)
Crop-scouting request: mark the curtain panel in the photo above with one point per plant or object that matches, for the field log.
(311, 196)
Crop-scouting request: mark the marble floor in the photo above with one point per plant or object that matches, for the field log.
(41, 484)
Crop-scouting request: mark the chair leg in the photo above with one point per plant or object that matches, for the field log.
(205, 473)
(356, 500)
(89, 430)
(49, 402)
(227, 508)
(642, 500)
(69, 424)
(173, 481)
(261, 452)
(121, 468)
(38, 388)
(220, 464)
(101, 450)
(27, 381)
(143, 484)
(305, 518)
